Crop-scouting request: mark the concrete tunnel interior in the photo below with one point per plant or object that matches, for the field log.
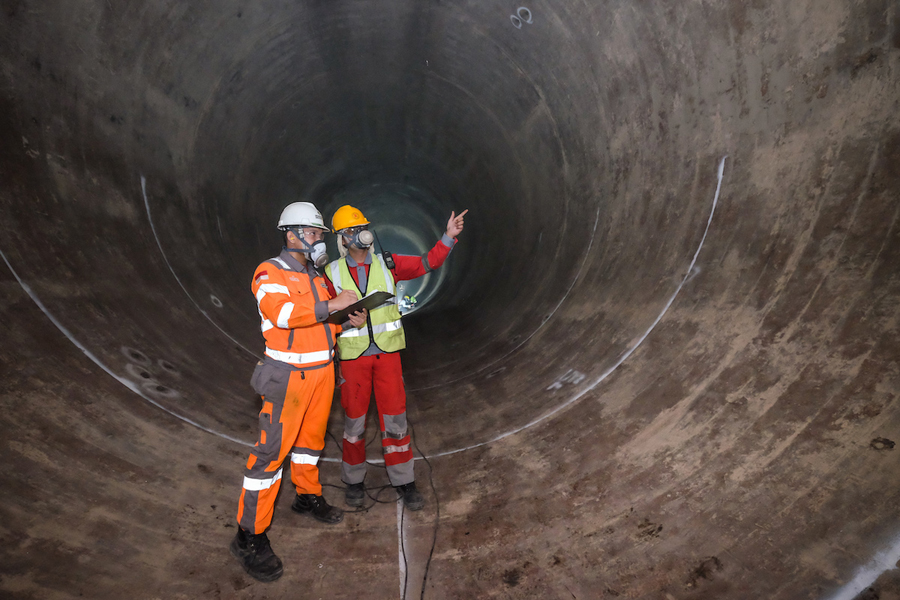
(662, 362)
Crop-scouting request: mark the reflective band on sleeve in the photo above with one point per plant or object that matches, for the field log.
(376, 329)
(285, 314)
(392, 449)
(265, 324)
(271, 288)
(304, 459)
(255, 485)
(299, 359)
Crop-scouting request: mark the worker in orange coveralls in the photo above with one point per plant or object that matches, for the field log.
(296, 382)
(369, 356)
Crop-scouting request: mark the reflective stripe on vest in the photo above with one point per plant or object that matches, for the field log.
(296, 358)
(386, 328)
(376, 329)
(335, 269)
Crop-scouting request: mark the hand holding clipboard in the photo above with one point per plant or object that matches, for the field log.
(371, 301)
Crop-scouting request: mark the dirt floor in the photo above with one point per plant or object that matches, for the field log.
(662, 362)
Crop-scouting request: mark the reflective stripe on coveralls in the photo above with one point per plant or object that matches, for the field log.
(278, 285)
(383, 325)
(300, 359)
(261, 484)
(296, 401)
(384, 372)
(292, 421)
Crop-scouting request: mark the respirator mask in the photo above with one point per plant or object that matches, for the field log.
(358, 237)
(316, 251)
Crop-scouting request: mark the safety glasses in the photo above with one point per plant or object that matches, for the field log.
(351, 231)
(310, 233)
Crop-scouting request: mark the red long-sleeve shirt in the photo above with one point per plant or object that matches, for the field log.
(409, 267)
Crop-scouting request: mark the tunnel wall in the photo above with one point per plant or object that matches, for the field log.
(721, 383)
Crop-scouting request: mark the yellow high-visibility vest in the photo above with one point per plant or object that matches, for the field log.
(383, 326)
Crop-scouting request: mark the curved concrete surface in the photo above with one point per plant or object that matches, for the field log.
(617, 402)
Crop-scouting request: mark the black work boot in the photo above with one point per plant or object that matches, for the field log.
(412, 498)
(355, 494)
(256, 555)
(318, 508)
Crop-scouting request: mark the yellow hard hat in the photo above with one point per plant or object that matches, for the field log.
(347, 216)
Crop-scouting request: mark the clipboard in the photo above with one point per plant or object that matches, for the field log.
(372, 301)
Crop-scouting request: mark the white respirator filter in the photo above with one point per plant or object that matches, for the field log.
(318, 255)
(365, 238)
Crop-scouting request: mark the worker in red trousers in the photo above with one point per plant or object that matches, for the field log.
(369, 355)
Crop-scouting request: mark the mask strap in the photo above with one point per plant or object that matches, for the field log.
(299, 233)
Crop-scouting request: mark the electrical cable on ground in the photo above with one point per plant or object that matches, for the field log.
(437, 518)
(376, 500)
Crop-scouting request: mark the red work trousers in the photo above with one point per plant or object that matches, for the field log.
(384, 373)
(292, 421)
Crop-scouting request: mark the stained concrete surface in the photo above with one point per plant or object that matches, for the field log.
(617, 403)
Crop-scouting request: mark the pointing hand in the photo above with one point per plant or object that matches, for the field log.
(455, 224)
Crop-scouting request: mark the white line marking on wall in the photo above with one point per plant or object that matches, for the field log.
(126, 382)
(175, 275)
(545, 416)
(627, 354)
(572, 377)
(687, 277)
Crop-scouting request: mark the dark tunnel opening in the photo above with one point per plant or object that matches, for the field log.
(646, 370)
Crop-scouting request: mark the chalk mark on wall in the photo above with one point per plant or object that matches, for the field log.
(175, 275)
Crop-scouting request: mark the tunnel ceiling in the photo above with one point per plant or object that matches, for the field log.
(656, 365)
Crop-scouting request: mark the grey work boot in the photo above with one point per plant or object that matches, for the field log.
(256, 555)
(355, 494)
(412, 498)
(318, 508)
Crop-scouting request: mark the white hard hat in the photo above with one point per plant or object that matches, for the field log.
(301, 214)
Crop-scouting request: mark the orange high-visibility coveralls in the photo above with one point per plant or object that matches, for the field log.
(296, 382)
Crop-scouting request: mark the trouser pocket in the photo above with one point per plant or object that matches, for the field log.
(269, 380)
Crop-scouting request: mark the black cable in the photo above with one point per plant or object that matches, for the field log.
(437, 517)
(403, 552)
(376, 500)
(437, 511)
(334, 439)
